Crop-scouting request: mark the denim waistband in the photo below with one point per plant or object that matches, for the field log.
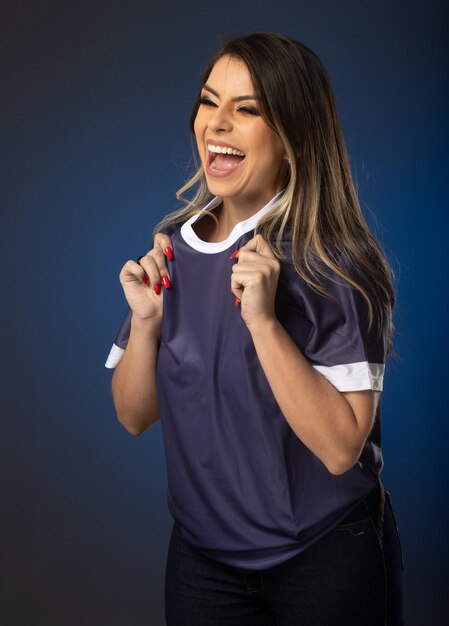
(371, 506)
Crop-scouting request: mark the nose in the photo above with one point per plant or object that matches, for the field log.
(220, 120)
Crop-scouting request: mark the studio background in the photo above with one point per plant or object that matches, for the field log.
(95, 102)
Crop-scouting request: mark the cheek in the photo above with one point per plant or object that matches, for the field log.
(266, 144)
(268, 163)
(269, 154)
(274, 149)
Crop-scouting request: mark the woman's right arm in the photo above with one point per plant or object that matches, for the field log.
(134, 379)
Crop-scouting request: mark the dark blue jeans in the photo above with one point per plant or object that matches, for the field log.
(350, 577)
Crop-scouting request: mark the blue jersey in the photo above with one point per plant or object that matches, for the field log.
(244, 488)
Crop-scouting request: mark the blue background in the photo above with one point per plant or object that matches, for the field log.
(95, 101)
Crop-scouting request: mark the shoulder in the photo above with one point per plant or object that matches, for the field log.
(327, 294)
(342, 271)
(171, 228)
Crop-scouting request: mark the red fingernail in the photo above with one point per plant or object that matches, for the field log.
(234, 254)
(168, 253)
(145, 279)
(157, 288)
(166, 281)
(236, 301)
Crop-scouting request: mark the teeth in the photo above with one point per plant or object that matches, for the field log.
(222, 150)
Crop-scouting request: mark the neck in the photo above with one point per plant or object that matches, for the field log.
(228, 213)
(235, 210)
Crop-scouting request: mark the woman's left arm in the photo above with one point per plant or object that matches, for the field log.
(334, 425)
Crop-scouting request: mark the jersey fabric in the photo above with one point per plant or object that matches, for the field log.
(244, 488)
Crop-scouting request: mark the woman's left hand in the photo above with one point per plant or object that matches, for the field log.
(254, 281)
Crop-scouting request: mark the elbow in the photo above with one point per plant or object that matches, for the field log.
(338, 469)
(132, 430)
(342, 460)
(134, 426)
(341, 465)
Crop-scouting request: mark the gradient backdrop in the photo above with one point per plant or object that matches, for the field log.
(95, 101)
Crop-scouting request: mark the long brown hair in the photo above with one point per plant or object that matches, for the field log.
(319, 208)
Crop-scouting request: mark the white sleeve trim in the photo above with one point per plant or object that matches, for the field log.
(354, 376)
(114, 356)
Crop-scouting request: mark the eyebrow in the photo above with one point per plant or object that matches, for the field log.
(236, 99)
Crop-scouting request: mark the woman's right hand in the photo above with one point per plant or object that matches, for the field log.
(142, 281)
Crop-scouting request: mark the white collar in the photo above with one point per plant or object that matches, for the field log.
(190, 237)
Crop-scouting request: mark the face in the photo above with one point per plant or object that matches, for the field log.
(229, 120)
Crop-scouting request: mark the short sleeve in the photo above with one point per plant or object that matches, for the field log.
(120, 341)
(339, 344)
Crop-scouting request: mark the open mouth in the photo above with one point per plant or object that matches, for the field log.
(223, 160)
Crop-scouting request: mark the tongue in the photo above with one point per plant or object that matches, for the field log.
(226, 161)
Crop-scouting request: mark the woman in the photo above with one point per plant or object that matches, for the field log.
(269, 395)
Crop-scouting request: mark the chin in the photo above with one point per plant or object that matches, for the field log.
(217, 187)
